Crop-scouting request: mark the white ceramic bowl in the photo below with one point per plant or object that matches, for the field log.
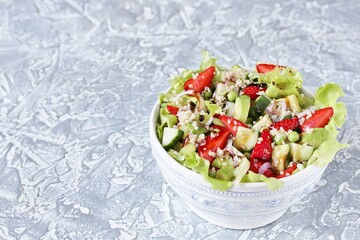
(249, 205)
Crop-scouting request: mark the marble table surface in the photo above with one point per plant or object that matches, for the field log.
(78, 80)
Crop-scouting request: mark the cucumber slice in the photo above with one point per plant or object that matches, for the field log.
(279, 156)
(245, 139)
(300, 152)
(171, 137)
(264, 122)
(241, 108)
(261, 104)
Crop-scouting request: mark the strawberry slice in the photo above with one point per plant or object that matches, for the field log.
(232, 124)
(266, 67)
(286, 124)
(202, 80)
(214, 143)
(253, 91)
(262, 149)
(256, 165)
(172, 110)
(288, 171)
(318, 119)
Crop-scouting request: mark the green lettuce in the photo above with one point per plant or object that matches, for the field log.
(283, 82)
(272, 183)
(327, 96)
(208, 61)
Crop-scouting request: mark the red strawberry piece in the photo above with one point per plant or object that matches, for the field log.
(253, 91)
(263, 149)
(286, 124)
(288, 171)
(232, 124)
(258, 165)
(172, 110)
(219, 140)
(202, 80)
(319, 119)
(266, 67)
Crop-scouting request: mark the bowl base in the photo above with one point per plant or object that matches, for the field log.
(237, 225)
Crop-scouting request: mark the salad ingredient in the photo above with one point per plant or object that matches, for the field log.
(232, 124)
(241, 108)
(287, 172)
(254, 91)
(279, 156)
(266, 67)
(173, 110)
(245, 139)
(171, 137)
(236, 125)
(213, 143)
(286, 124)
(262, 167)
(263, 149)
(232, 96)
(200, 81)
(318, 119)
(300, 152)
(293, 137)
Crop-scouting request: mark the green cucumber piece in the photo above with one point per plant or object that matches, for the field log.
(241, 108)
(171, 137)
(300, 152)
(261, 104)
(264, 122)
(279, 156)
(245, 139)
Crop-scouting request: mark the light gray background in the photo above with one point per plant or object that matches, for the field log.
(78, 80)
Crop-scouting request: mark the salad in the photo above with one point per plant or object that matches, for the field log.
(235, 125)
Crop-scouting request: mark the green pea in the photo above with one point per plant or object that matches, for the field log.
(293, 137)
(232, 96)
(279, 139)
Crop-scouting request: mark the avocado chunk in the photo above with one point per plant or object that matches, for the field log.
(245, 139)
(264, 122)
(293, 103)
(279, 156)
(241, 108)
(300, 152)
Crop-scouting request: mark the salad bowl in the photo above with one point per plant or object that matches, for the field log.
(239, 146)
(247, 206)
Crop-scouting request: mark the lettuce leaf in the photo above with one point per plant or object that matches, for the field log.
(208, 61)
(327, 96)
(283, 82)
(329, 146)
(272, 183)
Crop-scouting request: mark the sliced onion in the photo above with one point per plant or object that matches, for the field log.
(188, 92)
(201, 102)
(269, 108)
(210, 121)
(263, 167)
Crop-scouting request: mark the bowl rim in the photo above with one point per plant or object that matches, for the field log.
(260, 186)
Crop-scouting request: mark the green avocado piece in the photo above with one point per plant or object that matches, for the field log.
(241, 108)
(300, 152)
(279, 156)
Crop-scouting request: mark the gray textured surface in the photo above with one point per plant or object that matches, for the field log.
(78, 79)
